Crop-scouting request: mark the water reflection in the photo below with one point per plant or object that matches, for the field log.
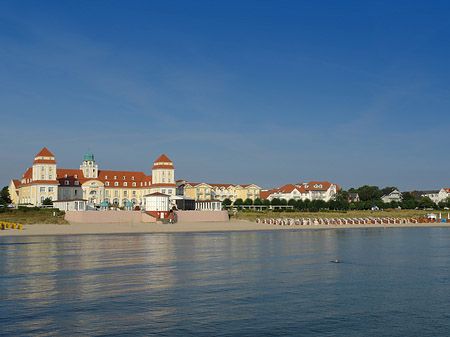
(185, 283)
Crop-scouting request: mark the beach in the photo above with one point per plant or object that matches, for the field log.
(188, 227)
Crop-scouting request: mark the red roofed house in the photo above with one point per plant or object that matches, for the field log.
(43, 180)
(444, 193)
(314, 190)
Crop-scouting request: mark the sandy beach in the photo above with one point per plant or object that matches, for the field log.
(189, 227)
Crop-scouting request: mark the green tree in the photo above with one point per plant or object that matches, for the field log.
(248, 202)
(4, 196)
(275, 202)
(292, 202)
(266, 202)
(226, 202)
(239, 202)
(47, 202)
(257, 202)
(426, 202)
(369, 193)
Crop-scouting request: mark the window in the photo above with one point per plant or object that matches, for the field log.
(50, 189)
(50, 169)
(65, 176)
(106, 177)
(66, 182)
(66, 192)
(115, 177)
(132, 178)
(134, 184)
(125, 193)
(107, 183)
(134, 193)
(116, 193)
(164, 180)
(163, 191)
(169, 191)
(42, 177)
(77, 183)
(50, 177)
(116, 184)
(125, 184)
(107, 193)
(75, 192)
(123, 177)
(76, 176)
(42, 189)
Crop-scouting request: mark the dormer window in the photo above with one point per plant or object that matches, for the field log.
(123, 177)
(132, 178)
(125, 184)
(66, 182)
(116, 184)
(76, 176)
(65, 176)
(134, 184)
(106, 177)
(77, 183)
(107, 183)
(115, 177)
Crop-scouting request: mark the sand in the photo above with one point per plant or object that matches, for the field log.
(235, 225)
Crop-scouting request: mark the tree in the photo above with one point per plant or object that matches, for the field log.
(426, 202)
(248, 202)
(239, 202)
(266, 202)
(275, 202)
(292, 202)
(47, 202)
(369, 193)
(4, 196)
(226, 202)
(257, 202)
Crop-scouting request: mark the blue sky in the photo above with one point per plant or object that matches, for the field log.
(264, 92)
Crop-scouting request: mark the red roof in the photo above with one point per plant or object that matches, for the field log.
(44, 153)
(16, 183)
(265, 194)
(163, 159)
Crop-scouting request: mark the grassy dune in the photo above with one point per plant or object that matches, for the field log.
(32, 216)
(393, 213)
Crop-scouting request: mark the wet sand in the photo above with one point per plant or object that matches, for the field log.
(189, 227)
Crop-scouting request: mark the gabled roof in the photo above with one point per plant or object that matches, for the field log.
(265, 194)
(163, 159)
(16, 183)
(44, 153)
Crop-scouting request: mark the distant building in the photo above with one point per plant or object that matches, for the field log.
(314, 190)
(210, 191)
(353, 197)
(443, 194)
(433, 195)
(395, 195)
(44, 180)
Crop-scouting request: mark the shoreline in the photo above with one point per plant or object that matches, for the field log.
(185, 227)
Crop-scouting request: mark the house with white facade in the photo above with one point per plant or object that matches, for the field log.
(314, 190)
(395, 195)
(443, 194)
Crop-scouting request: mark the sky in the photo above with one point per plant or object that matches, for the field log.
(263, 92)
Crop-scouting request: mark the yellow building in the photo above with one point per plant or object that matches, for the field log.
(206, 191)
(43, 180)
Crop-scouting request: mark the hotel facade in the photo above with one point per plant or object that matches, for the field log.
(44, 180)
(209, 191)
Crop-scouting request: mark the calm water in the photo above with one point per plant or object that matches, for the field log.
(278, 283)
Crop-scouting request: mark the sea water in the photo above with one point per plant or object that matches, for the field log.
(393, 282)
